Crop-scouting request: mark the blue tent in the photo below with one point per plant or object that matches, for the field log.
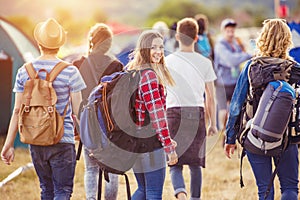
(15, 49)
(295, 29)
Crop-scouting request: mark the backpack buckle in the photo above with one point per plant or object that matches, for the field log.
(26, 109)
(50, 109)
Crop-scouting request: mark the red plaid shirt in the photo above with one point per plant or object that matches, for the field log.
(151, 97)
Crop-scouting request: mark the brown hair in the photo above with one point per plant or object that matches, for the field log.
(275, 39)
(188, 30)
(46, 50)
(100, 37)
(202, 22)
(141, 57)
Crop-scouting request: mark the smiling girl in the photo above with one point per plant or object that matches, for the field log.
(150, 167)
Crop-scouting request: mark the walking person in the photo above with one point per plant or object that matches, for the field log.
(97, 64)
(204, 44)
(186, 108)
(273, 44)
(54, 164)
(228, 55)
(149, 169)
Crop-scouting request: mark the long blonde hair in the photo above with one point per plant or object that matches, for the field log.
(275, 39)
(141, 58)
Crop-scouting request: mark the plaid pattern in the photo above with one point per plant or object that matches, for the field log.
(151, 97)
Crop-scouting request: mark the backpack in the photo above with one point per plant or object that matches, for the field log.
(267, 129)
(107, 125)
(39, 122)
(203, 46)
(269, 105)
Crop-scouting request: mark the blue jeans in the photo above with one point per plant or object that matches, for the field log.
(55, 167)
(150, 185)
(178, 180)
(287, 173)
(150, 171)
(91, 178)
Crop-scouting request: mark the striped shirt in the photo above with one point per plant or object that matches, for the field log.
(151, 97)
(69, 80)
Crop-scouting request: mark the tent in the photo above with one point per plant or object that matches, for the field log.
(15, 49)
(295, 29)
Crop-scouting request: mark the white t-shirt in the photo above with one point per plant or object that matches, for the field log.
(190, 71)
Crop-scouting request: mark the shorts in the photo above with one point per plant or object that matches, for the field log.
(224, 94)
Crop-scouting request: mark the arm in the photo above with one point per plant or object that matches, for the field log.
(76, 99)
(237, 101)
(210, 105)
(7, 153)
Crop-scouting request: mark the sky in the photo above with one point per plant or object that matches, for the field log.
(119, 10)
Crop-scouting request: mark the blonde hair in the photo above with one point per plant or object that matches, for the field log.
(275, 39)
(100, 38)
(141, 58)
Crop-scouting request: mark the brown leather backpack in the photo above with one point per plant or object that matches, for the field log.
(39, 122)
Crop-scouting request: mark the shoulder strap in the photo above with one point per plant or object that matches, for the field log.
(57, 69)
(30, 70)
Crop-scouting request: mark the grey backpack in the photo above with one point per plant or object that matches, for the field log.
(267, 129)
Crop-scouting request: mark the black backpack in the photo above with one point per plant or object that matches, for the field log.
(107, 125)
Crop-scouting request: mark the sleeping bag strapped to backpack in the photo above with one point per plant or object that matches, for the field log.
(269, 124)
(107, 123)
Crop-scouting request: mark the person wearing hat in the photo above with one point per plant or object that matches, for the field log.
(54, 164)
(229, 53)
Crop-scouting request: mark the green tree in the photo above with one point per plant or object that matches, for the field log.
(171, 11)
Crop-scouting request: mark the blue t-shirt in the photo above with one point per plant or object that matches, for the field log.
(69, 80)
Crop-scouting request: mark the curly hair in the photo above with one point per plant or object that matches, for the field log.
(275, 39)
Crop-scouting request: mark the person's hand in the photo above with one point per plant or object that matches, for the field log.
(212, 130)
(7, 155)
(229, 149)
(174, 143)
(172, 158)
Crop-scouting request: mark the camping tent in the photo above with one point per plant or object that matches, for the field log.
(295, 29)
(15, 49)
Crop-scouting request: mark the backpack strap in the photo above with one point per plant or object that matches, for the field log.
(241, 167)
(57, 69)
(30, 70)
(127, 187)
(99, 184)
(53, 74)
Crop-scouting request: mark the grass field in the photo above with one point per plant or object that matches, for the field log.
(220, 178)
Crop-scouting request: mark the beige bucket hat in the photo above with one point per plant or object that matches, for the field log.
(50, 34)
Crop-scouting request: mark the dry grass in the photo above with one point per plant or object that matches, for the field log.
(220, 179)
